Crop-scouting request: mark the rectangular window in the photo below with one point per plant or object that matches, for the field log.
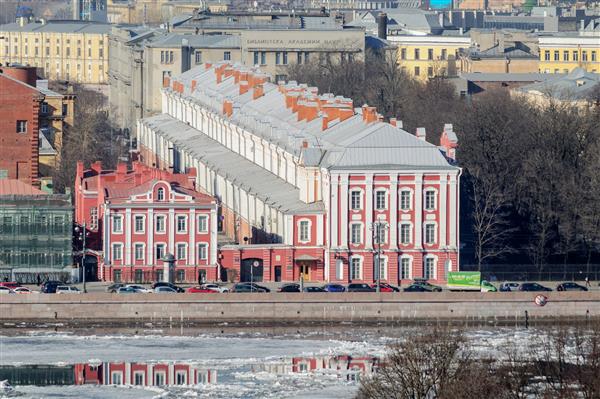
(68, 51)
(405, 233)
(263, 58)
(285, 58)
(116, 378)
(65, 109)
(101, 53)
(162, 57)
(202, 224)
(593, 56)
(430, 71)
(380, 200)
(430, 54)
(556, 55)
(565, 56)
(21, 126)
(256, 55)
(355, 269)
(117, 252)
(181, 251)
(546, 55)
(444, 54)
(198, 57)
(417, 71)
(429, 269)
(429, 200)
(139, 251)
(304, 231)
(278, 58)
(405, 200)
(417, 54)
(138, 378)
(584, 56)
(355, 233)
(44, 108)
(202, 251)
(227, 55)
(382, 262)
(159, 379)
(180, 276)
(181, 223)
(139, 223)
(403, 54)
(429, 233)
(380, 233)
(160, 251)
(355, 200)
(117, 224)
(94, 218)
(405, 268)
(181, 378)
(160, 224)
(575, 56)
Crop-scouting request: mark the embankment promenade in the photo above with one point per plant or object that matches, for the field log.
(281, 308)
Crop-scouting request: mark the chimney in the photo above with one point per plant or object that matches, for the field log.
(259, 91)
(449, 141)
(191, 177)
(244, 87)
(421, 134)
(166, 81)
(382, 26)
(121, 171)
(400, 124)
(324, 122)
(304, 144)
(79, 169)
(227, 107)
(393, 122)
(369, 114)
(207, 65)
(194, 83)
(97, 167)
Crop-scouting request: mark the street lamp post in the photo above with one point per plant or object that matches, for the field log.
(378, 231)
(82, 235)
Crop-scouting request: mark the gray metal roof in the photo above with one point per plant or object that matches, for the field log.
(59, 27)
(196, 41)
(576, 85)
(252, 178)
(510, 77)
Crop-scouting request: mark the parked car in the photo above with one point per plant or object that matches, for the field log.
(215, 287)
(165, 290)
(67, 289)
(570, 286)
(313, 289)
(334, 288)
(114, 287)
(165, 284)
(289, 288)
(249, 287)
(9, 284)
(24, 290)
(509, 286)
(126, 290)
(49, 287)
(384, 287)
(201, 290)
(6, 290)
(140, 289)
(360, 287)
(416, 288)
(533, 287)
(427, 285)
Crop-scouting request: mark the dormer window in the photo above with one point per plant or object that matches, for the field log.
(160, 194)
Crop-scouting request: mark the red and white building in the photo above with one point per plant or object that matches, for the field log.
(302, 179)
(135, 218)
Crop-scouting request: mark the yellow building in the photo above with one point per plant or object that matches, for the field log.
(562, 53)
(428, 56)
(76, 51)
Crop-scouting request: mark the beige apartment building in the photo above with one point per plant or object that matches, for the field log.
(76, 51)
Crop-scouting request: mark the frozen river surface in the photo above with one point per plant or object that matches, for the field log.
(216, 366)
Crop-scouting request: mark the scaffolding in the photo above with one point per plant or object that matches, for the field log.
(35, 237)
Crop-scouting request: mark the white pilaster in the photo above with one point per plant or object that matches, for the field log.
(171, 230)
(289, 230)
(393, 206)
(344, 211)
(150, 235)
(320, 229)
(213, 237)
(128, 236)
(192, 240)
(443, 210)
(368, 210)
(418, 210)
(453, 211)
(333, 212)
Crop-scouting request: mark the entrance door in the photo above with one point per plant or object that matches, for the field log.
(252, 270)
(277, 273)
(305, 271)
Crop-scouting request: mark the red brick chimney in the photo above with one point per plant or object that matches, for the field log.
(259, 91)
(244, 87)
(449, 141)
(227, 107)
(97, 167)
(369, 114)
(393, 122)
(166, 81)
(194, 83)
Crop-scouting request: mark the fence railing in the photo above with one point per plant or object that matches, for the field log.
(554, 272)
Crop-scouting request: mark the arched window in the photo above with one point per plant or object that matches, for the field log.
(160, 194)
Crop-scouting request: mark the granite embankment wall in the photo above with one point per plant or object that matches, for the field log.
(285, 308)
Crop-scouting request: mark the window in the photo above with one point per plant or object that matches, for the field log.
(263, 58)
(202, 251)
(139, 251)
(355, 233)
(160, 224)
(116, 378)
(556, 55)
(430, 71)
(285, 58)
(405, 233)
(198, 57)
(417, 54)
(202, 224)
(405, 200)
(256, 55)
(94, 218)
(44, 108)
(429, 268)
(380, 200)
(405, 269)
(584, 56)
(355, 200)
(382, 262)
(65, 109)
(429, 200)
(304, 231)
(575, 56)
(139, 223)
(180, 276)
(101, 54)
(21, 126)
(181, 223)
(117, 252)
(565, 56)
(593, 56)
(160, 251)
(546, 55)
(355, 268)
(47, 51)
(160, 194)
(417, 71)
(278, 58)
(117, 224)
(181, 251)
(403, 54)
(444, 54)
(429, 233)
(430, 54)
(138, 378)
(181, 378)
(159, 379)
(227, 55)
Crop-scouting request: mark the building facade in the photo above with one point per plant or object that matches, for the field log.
(136, 218)
(76, 51)
(561, 53)
(308, 186)
(35, 233)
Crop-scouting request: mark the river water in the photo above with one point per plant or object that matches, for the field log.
(324, 362)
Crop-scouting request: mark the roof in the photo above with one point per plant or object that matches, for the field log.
(249, 22)
(510, 77)
(45, 148)
(576, 85)
(254, 179)
(59, 26)
(196, 41)
(17, 187)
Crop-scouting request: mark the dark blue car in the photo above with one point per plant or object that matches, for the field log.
(334, 288)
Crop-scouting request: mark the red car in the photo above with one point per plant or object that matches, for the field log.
(384, 287)
(201, 290)
(10, 284)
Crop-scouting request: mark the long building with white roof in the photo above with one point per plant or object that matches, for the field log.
(308, 186)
